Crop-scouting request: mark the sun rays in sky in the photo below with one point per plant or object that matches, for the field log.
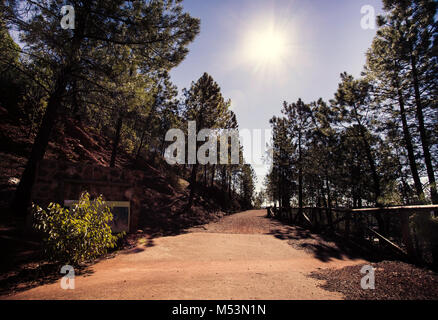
(267, 46)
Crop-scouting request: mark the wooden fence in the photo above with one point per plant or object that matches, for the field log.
(361, 225)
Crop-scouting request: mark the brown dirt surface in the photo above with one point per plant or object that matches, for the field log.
(163, 213)
(394, 280)
(243, 256)
(242, 223)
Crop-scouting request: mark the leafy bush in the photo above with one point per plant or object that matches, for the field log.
(78, 234)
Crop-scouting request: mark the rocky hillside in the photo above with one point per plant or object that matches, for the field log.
(74, 142)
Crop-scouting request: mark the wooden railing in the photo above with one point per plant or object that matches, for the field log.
(397, 235)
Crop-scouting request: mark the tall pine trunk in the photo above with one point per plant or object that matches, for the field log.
(426, 149)
(329, 201)
(300, 177)
(408, 144)
(213, 174)
(143, 135)
(423, 134)
(148, 124)
(75, 102)
(376, 179)
(192, 185)
(230, 190)
(116, 142)
(22, 197)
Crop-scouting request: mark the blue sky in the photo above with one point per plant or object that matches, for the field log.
(321, 39)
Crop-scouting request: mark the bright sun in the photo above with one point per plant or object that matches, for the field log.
(267, 45)
(266, 48)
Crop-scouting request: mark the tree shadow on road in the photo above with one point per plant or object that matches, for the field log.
(323, 246)
(34, 275)
(291, 233)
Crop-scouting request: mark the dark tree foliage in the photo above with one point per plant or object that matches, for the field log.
(85, 63)
(111, 73)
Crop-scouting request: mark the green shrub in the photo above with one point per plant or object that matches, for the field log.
(78, 234)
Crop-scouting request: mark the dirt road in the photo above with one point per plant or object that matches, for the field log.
(244, 256)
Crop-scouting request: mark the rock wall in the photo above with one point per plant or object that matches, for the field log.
(58, 181)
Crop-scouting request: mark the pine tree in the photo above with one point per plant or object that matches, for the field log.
(205, 105)
(352, 105)
(413, 33)
(156, 33)
(386, 69)
(281, 178)
(298, 119)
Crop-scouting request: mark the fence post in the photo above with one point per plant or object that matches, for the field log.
(347, 223)
(406, 234)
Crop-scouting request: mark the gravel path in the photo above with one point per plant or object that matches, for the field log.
(244, 256)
